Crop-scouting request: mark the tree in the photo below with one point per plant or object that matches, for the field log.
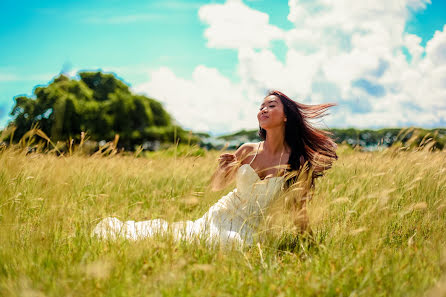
(99, 104)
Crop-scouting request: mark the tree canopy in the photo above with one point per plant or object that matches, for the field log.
(97, 103)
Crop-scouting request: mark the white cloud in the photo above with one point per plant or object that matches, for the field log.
(264, 71)
(412, 43)
(235, 25)
(208, 102)
(436, 47)
(344, 51)
(418, 4)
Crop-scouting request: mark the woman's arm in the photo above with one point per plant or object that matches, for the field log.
(228, 165)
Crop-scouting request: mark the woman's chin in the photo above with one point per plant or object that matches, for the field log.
(263, 125)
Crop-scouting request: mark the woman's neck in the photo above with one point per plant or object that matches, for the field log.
(275, 142)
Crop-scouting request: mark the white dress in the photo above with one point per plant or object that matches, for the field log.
(233, 219)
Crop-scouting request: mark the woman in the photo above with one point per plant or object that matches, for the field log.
(261, 173)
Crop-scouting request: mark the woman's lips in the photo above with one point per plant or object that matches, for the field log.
(263, 117)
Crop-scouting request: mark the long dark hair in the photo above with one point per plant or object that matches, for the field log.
(311, 148)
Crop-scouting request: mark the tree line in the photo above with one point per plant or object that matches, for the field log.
(103, 106)
(365, 137)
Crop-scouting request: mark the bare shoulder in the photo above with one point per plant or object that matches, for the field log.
(245, 150)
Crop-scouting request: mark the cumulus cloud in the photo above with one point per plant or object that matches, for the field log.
(436, 47)
(234, 25)
(344, 51)
(207, 102)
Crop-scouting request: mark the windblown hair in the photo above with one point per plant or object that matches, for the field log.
(312, 149)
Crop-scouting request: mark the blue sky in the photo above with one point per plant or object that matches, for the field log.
(156, 46)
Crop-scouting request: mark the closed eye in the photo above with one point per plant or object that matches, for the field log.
(268, 106)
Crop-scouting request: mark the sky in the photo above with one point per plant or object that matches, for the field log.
(210, 63)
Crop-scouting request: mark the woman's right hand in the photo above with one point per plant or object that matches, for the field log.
(227, 161)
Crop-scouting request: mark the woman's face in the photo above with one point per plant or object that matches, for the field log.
(271, 113)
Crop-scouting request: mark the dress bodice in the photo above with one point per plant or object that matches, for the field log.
(248, 180)
(249, 183)
(256, 191)
(251, 197)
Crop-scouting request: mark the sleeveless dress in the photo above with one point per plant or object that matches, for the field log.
(232, 220)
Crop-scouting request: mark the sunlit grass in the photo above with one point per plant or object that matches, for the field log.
(378, 218)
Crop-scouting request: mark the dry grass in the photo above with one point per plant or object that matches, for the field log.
(378, 221)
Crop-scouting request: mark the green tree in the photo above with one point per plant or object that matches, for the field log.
(99, 104)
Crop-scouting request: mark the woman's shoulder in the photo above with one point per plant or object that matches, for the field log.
(245, 149)
(248, 146)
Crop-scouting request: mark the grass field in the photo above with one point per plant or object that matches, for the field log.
(379, 223)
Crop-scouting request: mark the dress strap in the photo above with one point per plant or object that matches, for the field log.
(256, 153)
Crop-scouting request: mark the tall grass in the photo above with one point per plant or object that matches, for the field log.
(378, 221)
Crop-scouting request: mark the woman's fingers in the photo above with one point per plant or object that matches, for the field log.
(226, 158)
(227, 155)
(228, 164)
(227, 161)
